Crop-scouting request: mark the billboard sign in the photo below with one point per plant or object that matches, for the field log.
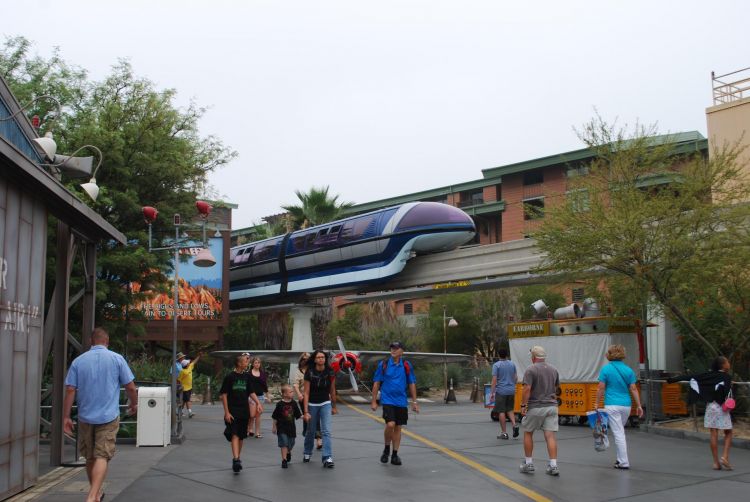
(201, 289)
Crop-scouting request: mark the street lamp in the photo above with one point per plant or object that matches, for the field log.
(448, 321)
(203, 259)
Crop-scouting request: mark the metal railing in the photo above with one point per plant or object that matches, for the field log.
(729, 90)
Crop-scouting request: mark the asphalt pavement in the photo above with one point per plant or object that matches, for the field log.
(450, 452)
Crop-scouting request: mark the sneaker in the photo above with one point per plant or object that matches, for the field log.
(284, 464)
(553, 470)
(515, 431)
(395, 459)
(328, 462)
(384, 457)
(503, 435)
(618, 465)
(306, 457)
(289, 456)
(190, 414)
(526, 468)
(236, 465)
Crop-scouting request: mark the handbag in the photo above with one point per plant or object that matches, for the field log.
(729, 402)
(598, 421)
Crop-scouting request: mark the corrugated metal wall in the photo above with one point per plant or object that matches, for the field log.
(23, 230)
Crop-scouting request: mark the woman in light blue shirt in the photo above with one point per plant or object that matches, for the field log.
(616, 384)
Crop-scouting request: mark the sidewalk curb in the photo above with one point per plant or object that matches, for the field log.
(692, 435)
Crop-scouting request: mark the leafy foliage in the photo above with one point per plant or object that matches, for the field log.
(316, 207)
(153, 155)
(672, 228)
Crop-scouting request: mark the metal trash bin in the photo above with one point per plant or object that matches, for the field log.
(154, 420)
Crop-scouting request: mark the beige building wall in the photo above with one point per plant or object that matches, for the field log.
(728, 124)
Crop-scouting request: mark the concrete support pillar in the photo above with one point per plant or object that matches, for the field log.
(301, 332)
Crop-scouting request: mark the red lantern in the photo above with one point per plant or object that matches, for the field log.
(150, 214)
(204, 208)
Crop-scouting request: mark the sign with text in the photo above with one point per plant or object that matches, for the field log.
(200, 288)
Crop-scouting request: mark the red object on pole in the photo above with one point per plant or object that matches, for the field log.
(35, 121)
(150, 214)
(204, 208)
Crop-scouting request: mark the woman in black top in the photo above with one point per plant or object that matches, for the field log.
(320, 402)
(259, 381)
(713, 388)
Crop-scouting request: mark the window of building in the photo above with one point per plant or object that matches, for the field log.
(577, 294)
(472, 198)
(533, 209)
(578, 200)
(574, 171)
(408, 308)
(533, 177)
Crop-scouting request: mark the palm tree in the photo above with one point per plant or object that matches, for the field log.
(316, 207)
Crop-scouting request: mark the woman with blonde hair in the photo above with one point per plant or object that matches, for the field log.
(616, 384)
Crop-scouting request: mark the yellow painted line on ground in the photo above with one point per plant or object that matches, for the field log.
(464, 460)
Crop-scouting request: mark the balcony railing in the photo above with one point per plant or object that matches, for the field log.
(470, 202)
(731, 89)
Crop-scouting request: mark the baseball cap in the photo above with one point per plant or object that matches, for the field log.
(396, 345)
(538, 352)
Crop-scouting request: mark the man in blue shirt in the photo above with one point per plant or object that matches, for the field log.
(94, 381)
(504, 378)
(392, 377)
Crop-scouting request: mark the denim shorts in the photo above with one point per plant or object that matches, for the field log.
(285, 441)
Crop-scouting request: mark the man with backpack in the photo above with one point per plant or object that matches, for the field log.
(392, 377)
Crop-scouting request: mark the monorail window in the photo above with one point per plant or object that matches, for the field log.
(242, 255)
(266, 251)
(427, 214)
(335, 230)
(298, 243)
(359, 228)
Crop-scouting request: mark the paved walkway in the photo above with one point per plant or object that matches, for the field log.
(450, 454)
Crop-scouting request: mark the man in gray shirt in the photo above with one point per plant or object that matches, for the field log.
(539, 409)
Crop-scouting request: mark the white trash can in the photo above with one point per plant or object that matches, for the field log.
(154, 421)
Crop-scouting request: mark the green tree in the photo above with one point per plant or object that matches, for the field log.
(665, 220)
(153, 155)
(316, 207)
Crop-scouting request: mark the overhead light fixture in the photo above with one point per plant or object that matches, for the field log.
(48, 146)
(217, 234)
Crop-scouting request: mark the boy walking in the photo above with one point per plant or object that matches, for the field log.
(235, 393)
(392, 377)
(284, 427)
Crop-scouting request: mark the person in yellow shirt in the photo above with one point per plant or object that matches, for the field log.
(186, 381)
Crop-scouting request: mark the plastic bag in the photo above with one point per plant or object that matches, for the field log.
(599, 423)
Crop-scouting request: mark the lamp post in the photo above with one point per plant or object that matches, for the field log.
(448, 321)
(203, 259)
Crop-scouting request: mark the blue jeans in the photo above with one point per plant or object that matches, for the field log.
(324, 414)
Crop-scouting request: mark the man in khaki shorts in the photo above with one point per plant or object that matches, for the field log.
(94, 381)
(539, 409)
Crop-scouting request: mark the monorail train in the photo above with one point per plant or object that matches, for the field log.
(341, 255)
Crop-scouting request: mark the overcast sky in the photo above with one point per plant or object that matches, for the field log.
(387, 97)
